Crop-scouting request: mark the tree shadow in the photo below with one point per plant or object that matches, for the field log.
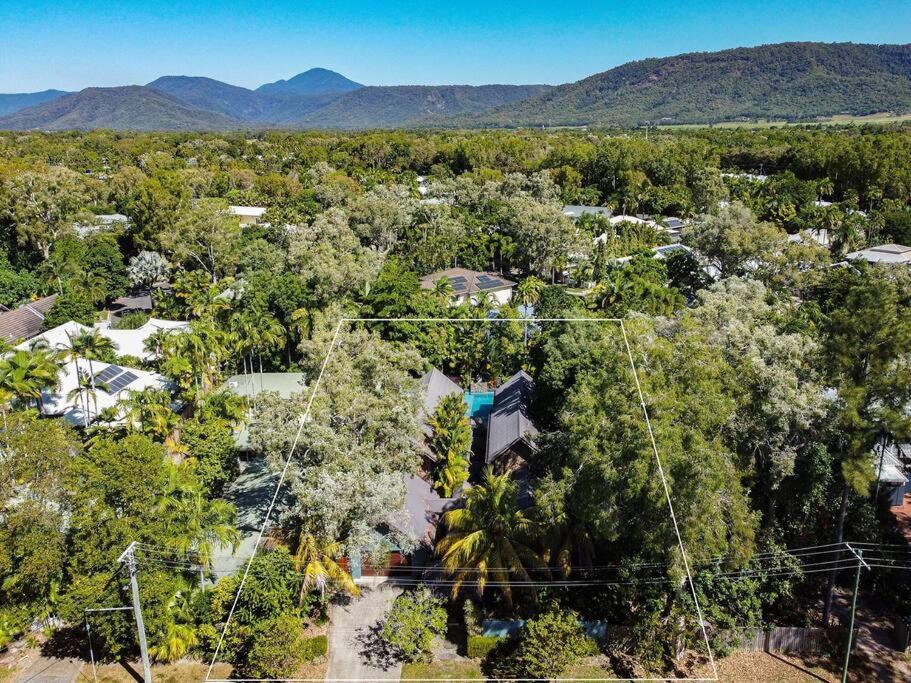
(373, 649)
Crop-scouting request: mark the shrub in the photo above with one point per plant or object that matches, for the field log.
(471, 615)
(414, 619)
(480, 646)
(314, 648)
(278, 647)
(131, 320)
(549, 644)
(212, 445)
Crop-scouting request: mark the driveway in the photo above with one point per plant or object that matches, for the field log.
(52, 670)
(251, 494)
(355, 651)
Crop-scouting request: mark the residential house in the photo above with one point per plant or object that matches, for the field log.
(893, 462)
(248, 215)
(101, 221)
(27, 321)
(576, 211)
(884, 253)
(285, 384)
(126, 342)
(468, 284)
(510, 429)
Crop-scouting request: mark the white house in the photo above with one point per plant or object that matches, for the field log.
(126, 342)
(248, 215)
(575, 211)
(467, 284)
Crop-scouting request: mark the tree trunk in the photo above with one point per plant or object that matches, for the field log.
(830, 584)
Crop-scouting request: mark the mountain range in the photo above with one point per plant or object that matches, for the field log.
(785, 81)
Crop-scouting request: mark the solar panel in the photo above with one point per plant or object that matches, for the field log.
(459, 278)
(460, 288)
(490, 284)
(122, 381)
(109, 373)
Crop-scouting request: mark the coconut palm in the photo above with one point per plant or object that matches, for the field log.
(316, 561)
(529, 291)
(486, 540)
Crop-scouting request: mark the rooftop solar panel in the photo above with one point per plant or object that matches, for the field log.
(459, 278)
(460, 288)
(121, 382)
(490, 284)
(109, 373)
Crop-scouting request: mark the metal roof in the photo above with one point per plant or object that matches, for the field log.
(509, 419)
(26, 321)
(436, 385)
(464, 281)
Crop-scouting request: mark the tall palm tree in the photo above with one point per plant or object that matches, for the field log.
(196, 525)
(73, 351)
(529, 291)
(486, 540)
(316, 561)
(155, 342)
(81, 393)
(94, 346)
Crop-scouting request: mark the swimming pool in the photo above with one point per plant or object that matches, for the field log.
(479, 404)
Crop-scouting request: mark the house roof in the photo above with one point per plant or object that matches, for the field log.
(251, 211)
(119, 380)
(892, 469)
(468, 282)
(26, 321)
(623, 218)
(509, 419)
(884, 253)
(578, 210)
(435, 386)
(423, 507)
(126, 342)
(283, 383)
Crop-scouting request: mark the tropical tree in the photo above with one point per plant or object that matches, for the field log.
(529, 291)
(488, 539)
(92, 345)
(146, 269)
(317, 563)
(450, 443)
(26, 373)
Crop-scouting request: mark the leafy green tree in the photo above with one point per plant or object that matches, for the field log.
(414, 619)
(206, 237)
(71, 305)
(211, 445)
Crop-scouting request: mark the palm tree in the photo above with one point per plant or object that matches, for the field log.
(81, 392)
(529, 291)
(316, 561)
(196, 525)
(443, 289)
(451, 442)
(73, 351)
(486, 540)
(155, 342)
(92, 345)
(25, 374)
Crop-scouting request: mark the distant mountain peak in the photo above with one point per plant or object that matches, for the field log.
(316, 81)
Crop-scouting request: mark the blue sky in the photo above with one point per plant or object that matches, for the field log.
(71, 44)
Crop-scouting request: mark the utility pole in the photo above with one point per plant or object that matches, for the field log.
(860, 562)
(129, 557)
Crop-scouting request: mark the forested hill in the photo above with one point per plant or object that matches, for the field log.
(783, 81)
(417, 105)
(132, 107)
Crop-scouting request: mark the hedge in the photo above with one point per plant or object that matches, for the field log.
(315, 647)
(479, 646)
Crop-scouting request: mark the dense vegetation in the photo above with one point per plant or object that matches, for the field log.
(738, 375)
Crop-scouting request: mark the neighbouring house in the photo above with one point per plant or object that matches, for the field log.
(113, 383)
(576, 211)
(893, 464)
(661, 252)
(126, 342)
(100, 222)
(421, 514)
(248, 215)
(819, 235)
(673, 226)
(27, 321)
(635, 220)
(510, 429)
(884, 253)
(468, 284)
(285, 384)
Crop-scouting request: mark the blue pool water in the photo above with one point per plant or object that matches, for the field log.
(479, 404)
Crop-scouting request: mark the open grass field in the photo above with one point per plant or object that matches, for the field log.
(840, 120)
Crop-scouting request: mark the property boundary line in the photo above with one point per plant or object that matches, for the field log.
(305, 417)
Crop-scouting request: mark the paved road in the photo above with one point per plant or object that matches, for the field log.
(355, 650)
(52, 670)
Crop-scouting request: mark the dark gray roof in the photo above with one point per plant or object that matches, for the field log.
(424, 507)
(436, 385)
(509, 419)
(26, 321)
